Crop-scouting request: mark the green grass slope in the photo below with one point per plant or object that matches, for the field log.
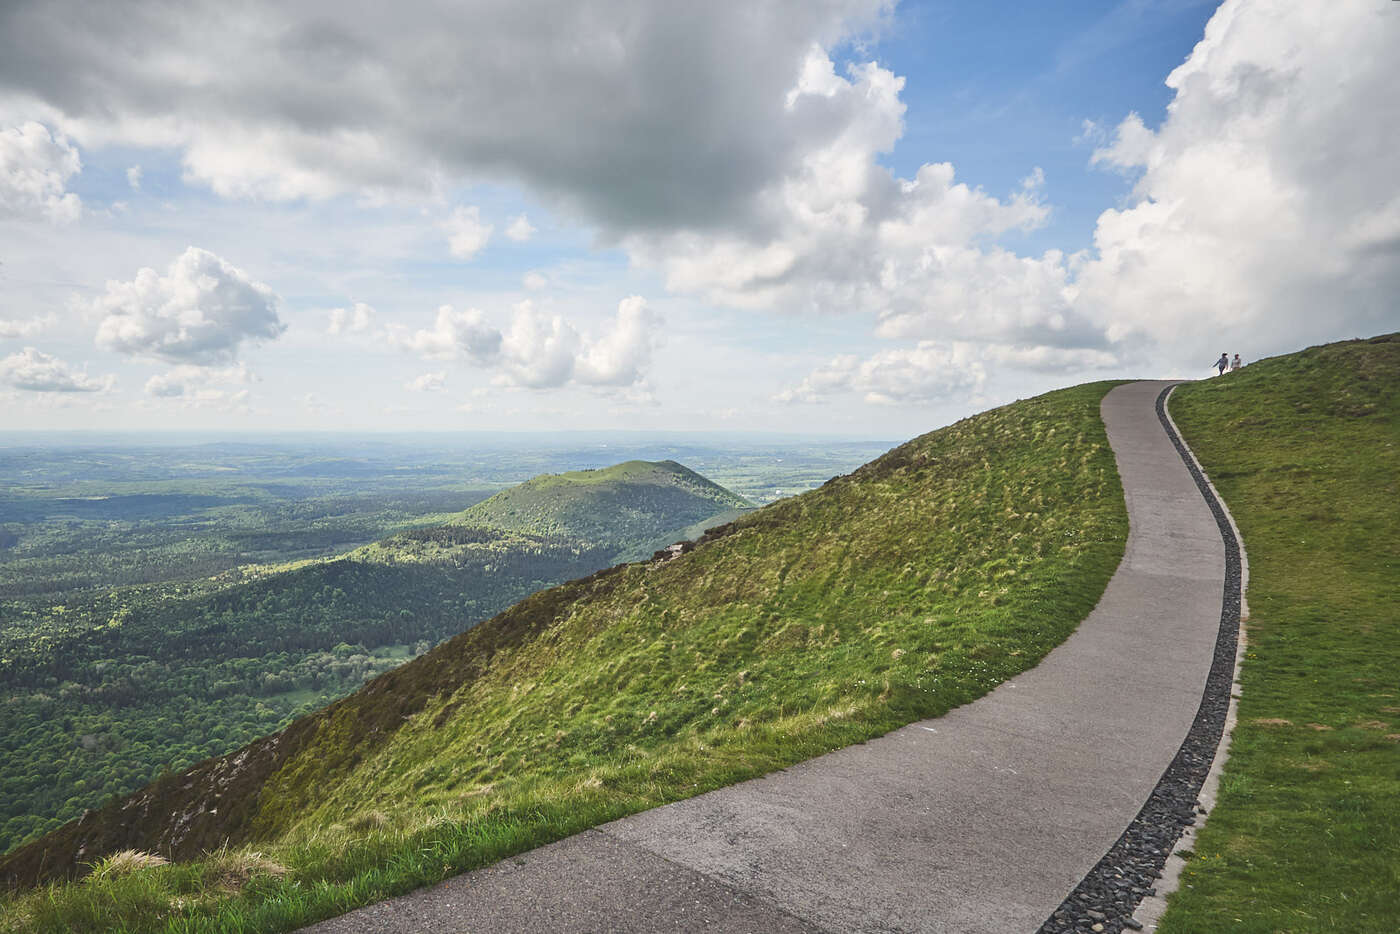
(627, 505)
(913, 585)
(1305, 449)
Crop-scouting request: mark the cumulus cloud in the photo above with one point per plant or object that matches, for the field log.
(534, 281)
(35, 166)
(200, 312)
(427, 382)
(454, 335)
(544, 351)
(843, 234)
(618, 357)
(14, 327)
(355, 320)
(539, 350)
(133, 177)
(521, 229)
(467, 233)
(925, 373)
(1266, 208)
(36, 371)
(1264, 214)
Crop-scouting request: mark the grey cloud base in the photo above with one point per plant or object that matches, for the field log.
(982, 820)
(603, 105)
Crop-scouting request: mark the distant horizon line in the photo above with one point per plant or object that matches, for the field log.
(284, 433)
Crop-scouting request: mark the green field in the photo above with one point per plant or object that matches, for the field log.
(916, 584)
(1305, 450)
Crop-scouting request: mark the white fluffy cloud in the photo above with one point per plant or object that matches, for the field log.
(520, 229)
(1267, 207)
(543, 351)
(927, 372)
(14, 327)
(467, 233)
(133, 177)
(36, 371)
(35, 166)
(619, 357)
(354, 320)
(539, 350)
(454, 335)
(200, 312)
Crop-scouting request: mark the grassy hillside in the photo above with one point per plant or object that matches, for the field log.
(105, 691)
(1305, 450)
(913, 585)
(627, 504)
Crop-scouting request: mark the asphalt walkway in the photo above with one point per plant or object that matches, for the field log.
(980, 820)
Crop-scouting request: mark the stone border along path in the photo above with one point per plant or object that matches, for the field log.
(995, 817)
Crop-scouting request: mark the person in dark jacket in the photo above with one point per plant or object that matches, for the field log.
(1223, 363)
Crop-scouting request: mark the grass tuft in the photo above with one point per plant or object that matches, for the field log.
(125, 863)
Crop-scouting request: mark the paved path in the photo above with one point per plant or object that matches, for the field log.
(981, 820)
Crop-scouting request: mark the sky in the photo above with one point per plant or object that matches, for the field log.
(850, 217)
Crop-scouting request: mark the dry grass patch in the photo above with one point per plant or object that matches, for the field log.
(125, 863)
(231, 871)
(370, 820)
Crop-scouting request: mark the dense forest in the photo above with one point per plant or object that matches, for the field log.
(101, 696)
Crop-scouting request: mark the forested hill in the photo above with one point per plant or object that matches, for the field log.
(625, 505)
(102, 693)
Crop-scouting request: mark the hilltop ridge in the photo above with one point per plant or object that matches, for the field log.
(626, 504)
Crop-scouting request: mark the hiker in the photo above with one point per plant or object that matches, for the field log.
(1223, 363)
(1235, 364)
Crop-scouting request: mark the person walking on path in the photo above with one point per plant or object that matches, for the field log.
(1223, 363)
(1235, 364)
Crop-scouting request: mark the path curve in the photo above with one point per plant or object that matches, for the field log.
(984, 819)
